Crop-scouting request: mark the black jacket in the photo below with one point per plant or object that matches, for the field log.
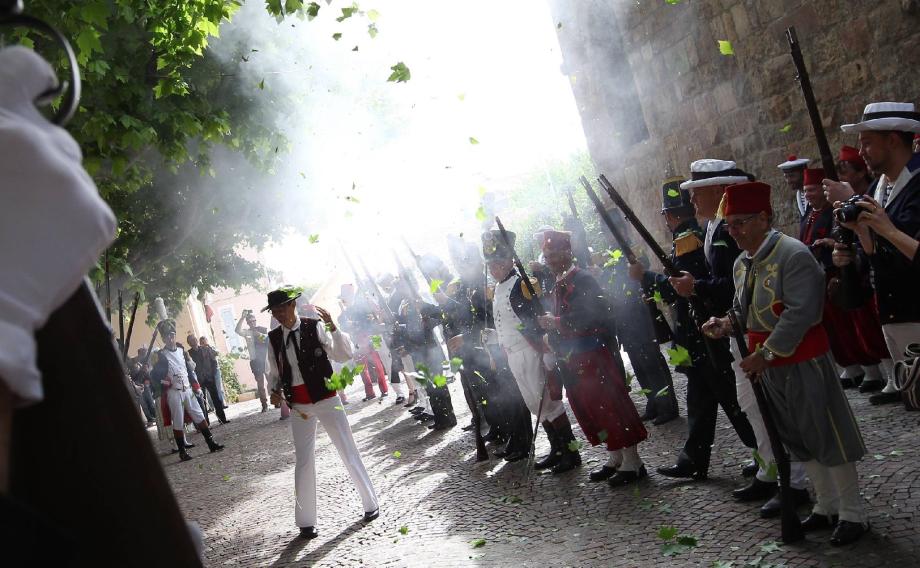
(718, 289)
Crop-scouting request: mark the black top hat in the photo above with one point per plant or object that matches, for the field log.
(167, 327)
(673, 197)
(282, 296)
(494, 247)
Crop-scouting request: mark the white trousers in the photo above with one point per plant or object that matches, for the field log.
(747, 400)
(303, 427)
(897, 337)
(837, 491)
(527, 367)
(179, 402)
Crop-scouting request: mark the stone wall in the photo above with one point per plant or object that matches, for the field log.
(655, 93)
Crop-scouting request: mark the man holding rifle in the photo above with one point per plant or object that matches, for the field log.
(710, 377)
(779, 292)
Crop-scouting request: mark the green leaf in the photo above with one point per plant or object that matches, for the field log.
(376, 341)
(689, 541)
(87, 43)
(262, 85)
(673, 2)
(435, 285)
(372, 15)
(664, 508)
(455, 364)
(481, 214)
(671, 548)
(372, 30)
(786, 129)
(337, 36)
(312, 10)
(673, 193)
(400, 73)
(643, 392)
(226, 478)
(725, 47)
(511, 500)
(397, 454)
(722, 564)
(439, 380)
(667, 532)
(602, 435)
(770, 547)
(461, 97)
(473, 141)
(352, 199)
(314, 239)
(404, 530)
(338, 407)
(662, 392)
(879, 457)
(478, 543)
(347, 13)
(575, 445)
(895, 453)
(679, 356)
(614, 257)
(657, 297)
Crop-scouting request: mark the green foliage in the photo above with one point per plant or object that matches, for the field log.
(376, 341)
(232, 387)
(435, 285)
(679, 356)
(400, 72)
(673, 543)
(344, 378)
(478, 543)
(725, 47)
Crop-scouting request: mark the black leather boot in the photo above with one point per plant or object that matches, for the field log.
(570, 458)
(554, 456)
(212, 445)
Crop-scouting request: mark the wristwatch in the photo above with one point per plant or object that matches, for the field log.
(767, 355)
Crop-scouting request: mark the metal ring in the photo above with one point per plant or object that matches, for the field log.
(70, 89)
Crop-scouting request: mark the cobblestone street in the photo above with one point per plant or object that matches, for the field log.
(444, 501)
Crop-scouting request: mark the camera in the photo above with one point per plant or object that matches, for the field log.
(850, 210)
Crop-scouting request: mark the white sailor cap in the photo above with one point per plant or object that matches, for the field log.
(793, 163)
(704, 173)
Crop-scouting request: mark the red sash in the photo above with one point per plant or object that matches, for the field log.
(814, 344)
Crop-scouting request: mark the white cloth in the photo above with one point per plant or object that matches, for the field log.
(710, 231)
(899, 184)
(507, 323)
(530, 375)
(179, 402)
(837, 491)
(338, 347)
(177, 373)
(331, 414)
(53, 224)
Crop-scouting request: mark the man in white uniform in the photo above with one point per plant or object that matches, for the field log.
(299, 368)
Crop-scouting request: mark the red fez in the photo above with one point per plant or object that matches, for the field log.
(813, 176)
(747, 198)
(851, 155)
(557, 241)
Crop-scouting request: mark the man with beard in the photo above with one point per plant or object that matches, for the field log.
(793, 173)
(519, 335)
(580, 335)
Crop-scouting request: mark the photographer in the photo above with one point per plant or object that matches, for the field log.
(886, 144)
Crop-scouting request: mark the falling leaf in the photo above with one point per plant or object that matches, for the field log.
(786, 129)
(404, 530)
(226, 478)
(312, 10)
(575, 445)
(473, 141)
(435, 285)
(573, 79)
(376, 341)
(262, 85)
(352, 199)
(314, 239)
(347, 13)
(461, 96)
(725, 47)
(643, 392)
(602, 435)
(673, 193)
(895, 453)
(339, 407)
(303, 175)
(770, 547)
(400, 73)
(721, 563)
(455, 364)
(481, 214)
(372, 15)
(879, 457)
(372, 30)
(478, 543)
(664, 508)
(662, 392)
(439, 380)
(337, 36)
(657, 296)
(397, 454)
(679, 356)
(355, 48)
(672, 2)
(667, 532)
(687, 541)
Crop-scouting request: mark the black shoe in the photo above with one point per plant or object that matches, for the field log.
(183, 455)
(225, 421)
(847, 532)
(871, 385)
(501, 452)
(264, 408)
(515, 455)
(443, 425)
(649, 414)
(371, 515)
(757, 491)
(416, 410)
(419, 415)
(548, 461)
(885, 398)
(468, 427)
(774, 507)
(214, 446)
(664, 418)
(367, 398)
(682, 470)
(226, 407)
(818, 522)
(189, 445)
(622, 478)
(399, 400)
(384, 395)
(750, 470)
(308, 533)
(603, 473)
(569, 461)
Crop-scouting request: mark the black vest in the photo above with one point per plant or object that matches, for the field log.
(315, 367)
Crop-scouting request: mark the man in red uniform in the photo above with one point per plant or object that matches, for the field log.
(580, 335)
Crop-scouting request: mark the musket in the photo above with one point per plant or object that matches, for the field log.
(127, 346)
(408, 277)
(533, 294)
(417, 260)
(572, 208)
(381, 299)
(791, 525)
(696, 306)
(827, 158)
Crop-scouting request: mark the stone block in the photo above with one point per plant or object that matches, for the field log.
(725, 97)
(741, 20)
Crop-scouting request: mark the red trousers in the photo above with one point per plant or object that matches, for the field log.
(370, 360)
(855, 335)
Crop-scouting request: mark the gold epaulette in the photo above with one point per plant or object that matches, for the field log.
(453, 287)
(687, 243)
(536, 288)
(490, 293)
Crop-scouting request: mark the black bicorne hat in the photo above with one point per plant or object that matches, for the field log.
(673, 198)
(494, 247)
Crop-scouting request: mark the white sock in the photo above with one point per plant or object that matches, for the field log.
(851, 372)
(873, 373)
(631, 460)
(614, 458)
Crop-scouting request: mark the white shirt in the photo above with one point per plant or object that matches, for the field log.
(710, 231)
(903, 179)
(337, 345)
(53, 224)
(507, 323)
(177, 373)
